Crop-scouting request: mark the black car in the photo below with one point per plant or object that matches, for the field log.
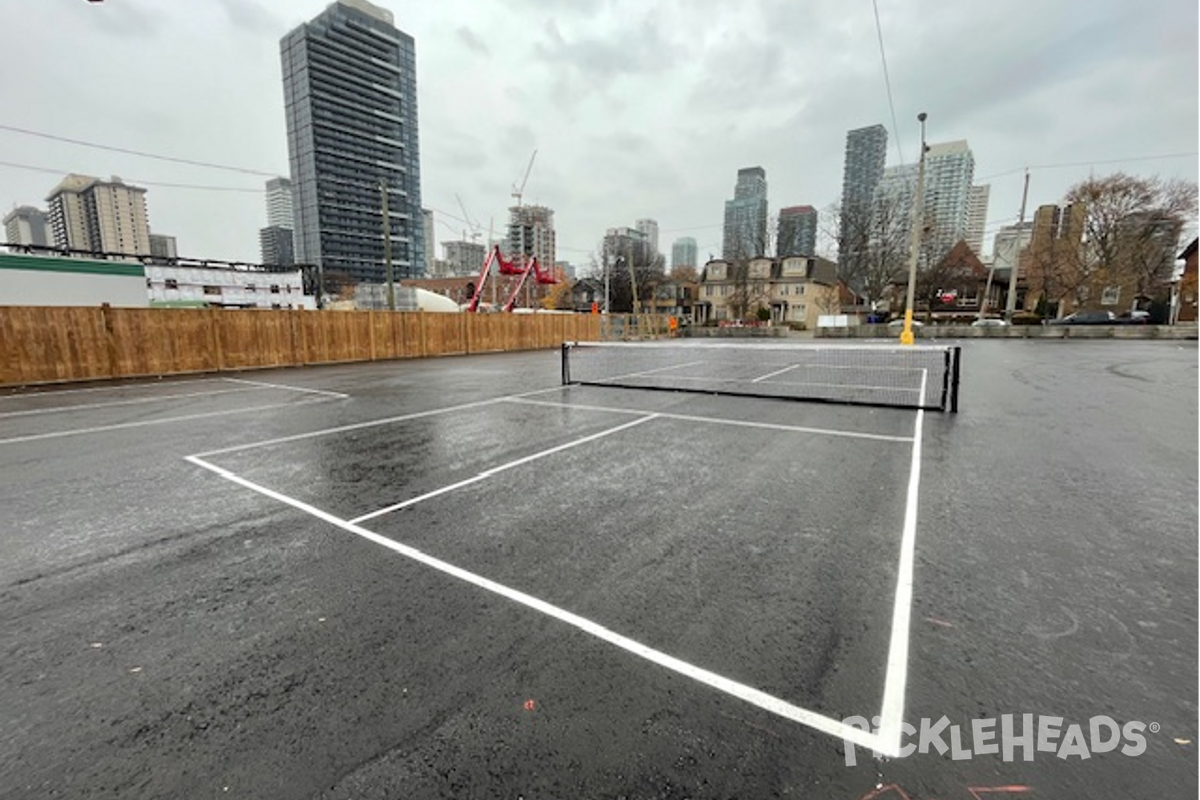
(1087, 318)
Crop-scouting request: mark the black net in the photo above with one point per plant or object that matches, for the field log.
(875, 375)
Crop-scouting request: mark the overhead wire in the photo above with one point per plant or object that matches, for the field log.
(139, 153)
(887, 79)
(50, 171)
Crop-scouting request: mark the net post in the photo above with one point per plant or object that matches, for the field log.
(954, 380)
(947, 367)
(566, 363)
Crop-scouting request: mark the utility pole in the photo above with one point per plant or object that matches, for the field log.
(607, 268)
(1010, 307)
(387, 245)
(632, 275)
(914, 245)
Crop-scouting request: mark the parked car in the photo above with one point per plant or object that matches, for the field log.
(1087, 318)
(989, 322)
(1135, 317)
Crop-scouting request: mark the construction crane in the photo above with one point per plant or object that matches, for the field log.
(476, 230)
(519, 191)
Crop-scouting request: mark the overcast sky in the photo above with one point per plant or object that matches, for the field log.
(637, 109)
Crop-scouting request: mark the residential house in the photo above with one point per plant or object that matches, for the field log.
(586, 294)
(1188, 294)
(792, 289)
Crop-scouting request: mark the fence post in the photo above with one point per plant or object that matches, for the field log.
(110, 342)
(371, 329)
(214, 339)
(424, 343)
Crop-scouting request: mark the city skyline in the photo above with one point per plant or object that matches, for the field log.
(1035, 116)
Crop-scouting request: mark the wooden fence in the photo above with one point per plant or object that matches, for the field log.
(58, 344)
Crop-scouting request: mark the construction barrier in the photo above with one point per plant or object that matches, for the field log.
(60, 344)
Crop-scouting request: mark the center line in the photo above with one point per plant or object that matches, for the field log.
(497, 470)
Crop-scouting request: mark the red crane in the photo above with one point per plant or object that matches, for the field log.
(508, 268)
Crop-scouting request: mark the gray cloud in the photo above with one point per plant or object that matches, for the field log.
(636, 109)
(472, 40)
(250, 16)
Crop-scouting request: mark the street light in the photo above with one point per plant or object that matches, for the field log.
(914, 246)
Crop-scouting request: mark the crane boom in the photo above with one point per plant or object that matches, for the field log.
(518, 192)
(475, 227)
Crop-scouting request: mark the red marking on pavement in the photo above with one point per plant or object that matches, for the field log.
(978, 791)
(530, 705)
(940, 622)
(893, 791)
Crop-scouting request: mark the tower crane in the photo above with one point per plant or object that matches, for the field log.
(519, 191)
(476, 230)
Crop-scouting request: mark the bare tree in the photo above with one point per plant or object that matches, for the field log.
(872, 245)
(1132, 226)
(619, 253)
(682, 273)
(750, 291)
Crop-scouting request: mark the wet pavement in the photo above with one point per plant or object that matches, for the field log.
(171, 630)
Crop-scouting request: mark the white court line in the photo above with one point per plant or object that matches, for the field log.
(777, 372)
(124, 425)
(110, 403)
(497, 470)
(741, 691)
(896, 680)
(653, 371)
(375, 422)
(144, 383)
(338, 395)
(880, 437)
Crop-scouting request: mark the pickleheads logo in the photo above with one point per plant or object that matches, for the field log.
(1028, 734)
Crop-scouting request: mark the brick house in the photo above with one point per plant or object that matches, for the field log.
(1188, 290)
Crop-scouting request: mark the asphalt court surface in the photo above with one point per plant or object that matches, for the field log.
(227, 626)
(700, 558)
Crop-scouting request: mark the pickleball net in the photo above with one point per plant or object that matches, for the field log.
(891, 376)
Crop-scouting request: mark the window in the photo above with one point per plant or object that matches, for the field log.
(1111, 296)
(250, 287)
(274, 288)
(212, 290)
(708, 291)
(171, 283)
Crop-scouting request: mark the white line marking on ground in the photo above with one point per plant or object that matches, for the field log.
(652, 371)
(338, 395)
(185, 418)
(896, 681)
(142, 385)
(375, 422)
(776, 372)
(741, 691)
(497, 470)
(110, 403)
(346, 428)
(880, 437)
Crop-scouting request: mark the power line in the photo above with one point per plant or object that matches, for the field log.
(139, 153)
(887, 80)
(49, 171)
(1065, 165)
